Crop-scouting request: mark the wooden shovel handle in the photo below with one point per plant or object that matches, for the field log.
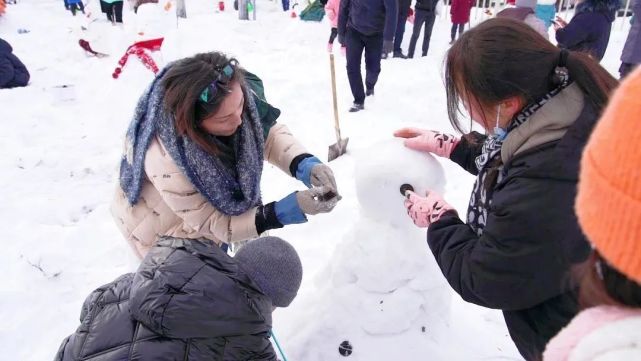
(336, 126)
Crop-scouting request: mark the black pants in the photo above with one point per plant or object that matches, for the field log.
(625, 69)
(420, 17)
(114, 11)
(461, 28)
(333, 35)
(400, 27)
(373, 47)
(75, 7)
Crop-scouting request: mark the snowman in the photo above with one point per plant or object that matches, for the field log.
(383, 296)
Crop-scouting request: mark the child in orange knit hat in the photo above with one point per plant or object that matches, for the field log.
(609, 210)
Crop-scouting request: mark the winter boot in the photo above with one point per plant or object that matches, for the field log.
(356, 107)
(369, 91)
(399, 54)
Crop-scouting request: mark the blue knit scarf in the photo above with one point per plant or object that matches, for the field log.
(231, 192)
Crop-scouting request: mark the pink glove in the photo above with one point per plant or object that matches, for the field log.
(440, 144)
(426, 210)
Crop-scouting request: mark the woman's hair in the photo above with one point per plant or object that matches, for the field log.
(184, 82)
(602, 284)
(502, 58)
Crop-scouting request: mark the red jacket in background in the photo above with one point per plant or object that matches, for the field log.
(460, 11)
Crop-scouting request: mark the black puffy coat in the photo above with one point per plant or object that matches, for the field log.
(522, 262)
(187, 301)
(12, 72)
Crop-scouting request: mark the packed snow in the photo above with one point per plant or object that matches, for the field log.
(369, 277)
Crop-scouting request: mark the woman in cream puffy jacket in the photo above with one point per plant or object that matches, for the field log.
(194, 154)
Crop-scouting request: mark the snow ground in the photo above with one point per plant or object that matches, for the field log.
(60, 147)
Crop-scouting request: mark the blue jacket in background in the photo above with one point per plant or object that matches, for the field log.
(12, 72)
(589, 29)
(368, 17)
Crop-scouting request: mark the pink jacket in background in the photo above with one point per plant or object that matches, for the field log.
(603, 333)
(331, 9)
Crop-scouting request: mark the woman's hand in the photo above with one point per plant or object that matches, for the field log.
(426, 210)
(294, 208)
(430, 141)
(317, 200)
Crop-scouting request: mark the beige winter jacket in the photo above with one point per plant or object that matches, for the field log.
(169, 205)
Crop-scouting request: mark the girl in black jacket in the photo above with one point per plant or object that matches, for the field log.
(515, 246)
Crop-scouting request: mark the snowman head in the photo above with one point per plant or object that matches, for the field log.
(383, 168)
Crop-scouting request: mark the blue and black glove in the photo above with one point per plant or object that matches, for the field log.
(313, 173)
(294, 208)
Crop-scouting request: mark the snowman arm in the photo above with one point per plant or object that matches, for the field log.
(524, 252)
(466, 151)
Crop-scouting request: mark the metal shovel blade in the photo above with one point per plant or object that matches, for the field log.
(338, 149)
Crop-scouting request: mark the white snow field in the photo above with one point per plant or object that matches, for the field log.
(369, 277)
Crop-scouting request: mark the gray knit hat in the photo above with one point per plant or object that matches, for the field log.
(274, 266)
(526, 4)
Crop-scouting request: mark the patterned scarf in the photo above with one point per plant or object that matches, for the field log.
(481, 198)
(231, 191)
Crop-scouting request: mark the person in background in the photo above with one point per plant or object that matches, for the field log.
(546, 11)
(631, 55)
(403, 11)
(194, 154)
(332, 9)
(516, 245)
(608, 207)
(113, 9)
(524, 11)
(424, 14)
(74, 6)
(13, 73)
(589, 29)
(460, 13)
(366, 26)
(189, 300)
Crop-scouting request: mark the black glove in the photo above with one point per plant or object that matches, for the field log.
(341, 39)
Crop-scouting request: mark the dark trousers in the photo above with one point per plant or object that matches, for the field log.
(625, 69)
(75, 7)
(400, 28)
(332, 35)
(461, 28)
(114, 11)
(285, 5)
(420, 17)
(373, 47)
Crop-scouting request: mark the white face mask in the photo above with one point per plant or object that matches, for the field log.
(499, 132)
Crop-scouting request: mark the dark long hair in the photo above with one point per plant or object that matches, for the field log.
(184, 82)
(502, 58)
(602, 284)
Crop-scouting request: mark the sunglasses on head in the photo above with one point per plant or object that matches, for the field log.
(225, 74)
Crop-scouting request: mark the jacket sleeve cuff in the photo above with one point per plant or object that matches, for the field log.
(266, 218)
(293, 166)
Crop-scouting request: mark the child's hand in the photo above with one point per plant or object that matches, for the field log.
(426, 210)
(430, 141)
